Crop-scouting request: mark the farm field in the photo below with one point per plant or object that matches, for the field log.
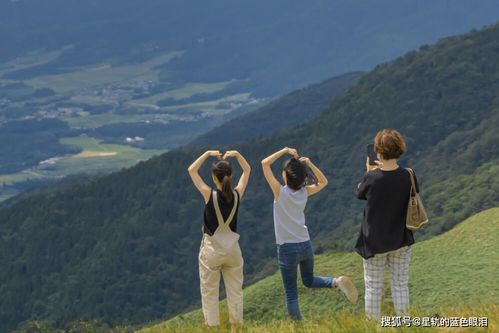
(101, 74)
(188, 90)
(95, 157)
(124, 96)
(31, 59)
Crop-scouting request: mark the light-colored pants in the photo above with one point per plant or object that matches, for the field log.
(213, 262)
(374, 271)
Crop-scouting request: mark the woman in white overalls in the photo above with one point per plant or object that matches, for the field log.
(220, 253)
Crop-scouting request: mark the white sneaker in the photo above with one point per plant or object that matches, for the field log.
(347, 287)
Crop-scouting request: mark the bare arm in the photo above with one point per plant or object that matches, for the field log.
(243, 181)
(267, 169)
(321, 178)
(196, 178)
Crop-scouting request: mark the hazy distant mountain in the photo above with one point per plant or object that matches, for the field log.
(277, 45)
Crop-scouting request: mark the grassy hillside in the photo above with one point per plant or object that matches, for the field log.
(109, 248)
(454, 272)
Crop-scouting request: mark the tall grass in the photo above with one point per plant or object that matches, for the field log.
(340, 322)
(452, 275)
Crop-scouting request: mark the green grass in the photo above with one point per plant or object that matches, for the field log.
(88, 143)
(31, 59)
(188, 90)
(9, 179)
(210, 105)
(454, 273)
(124, 156)
(342, 322)
(95, 121)
(165, 113)
(102, 74)
(87, 161)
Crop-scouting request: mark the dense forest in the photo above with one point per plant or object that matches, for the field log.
(24, 143)
(123, 247)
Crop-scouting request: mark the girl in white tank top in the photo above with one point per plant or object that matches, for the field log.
(294, 247)
(289, 216)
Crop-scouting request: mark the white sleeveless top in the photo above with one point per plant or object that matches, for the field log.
(289, 216)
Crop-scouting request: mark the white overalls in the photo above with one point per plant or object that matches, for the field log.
(221, 253)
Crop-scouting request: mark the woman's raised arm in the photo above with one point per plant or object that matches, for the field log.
(321, 178)
(243, 181)
(267, 169)
(194, 173)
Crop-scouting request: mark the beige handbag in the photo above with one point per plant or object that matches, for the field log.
(416, 213)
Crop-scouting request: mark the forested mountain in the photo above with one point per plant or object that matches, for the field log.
(286, 112)
(123, 247)
(131, 78)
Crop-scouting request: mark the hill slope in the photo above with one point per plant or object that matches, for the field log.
(286, 112)
(110, 248)
(456, 268)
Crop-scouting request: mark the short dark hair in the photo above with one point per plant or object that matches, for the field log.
(389, 143)
(296, 173)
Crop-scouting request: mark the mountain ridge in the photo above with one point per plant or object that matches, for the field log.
(282, 114)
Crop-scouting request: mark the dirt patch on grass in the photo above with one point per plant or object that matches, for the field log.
(91, 153)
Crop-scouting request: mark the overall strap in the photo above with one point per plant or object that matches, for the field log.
(220, 218)
(413, 183)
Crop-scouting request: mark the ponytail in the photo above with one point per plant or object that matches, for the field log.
(227, 189)
(222, 170)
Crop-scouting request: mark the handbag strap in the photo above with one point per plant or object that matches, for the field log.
(413, 182)
(220, 218)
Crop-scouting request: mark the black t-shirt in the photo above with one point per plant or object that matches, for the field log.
(210, 217)
(383, 228)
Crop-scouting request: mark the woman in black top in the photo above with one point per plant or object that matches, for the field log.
(220, 253)
(384, 239)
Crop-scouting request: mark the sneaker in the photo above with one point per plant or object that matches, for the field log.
(347, 287)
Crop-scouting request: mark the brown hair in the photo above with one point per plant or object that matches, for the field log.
(389, 143)
(223, 171)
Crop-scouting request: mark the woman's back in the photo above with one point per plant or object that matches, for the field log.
(289, 216)
(210, 217)
(387, 195)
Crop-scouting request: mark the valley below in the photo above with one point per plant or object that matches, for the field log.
(114, 116)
